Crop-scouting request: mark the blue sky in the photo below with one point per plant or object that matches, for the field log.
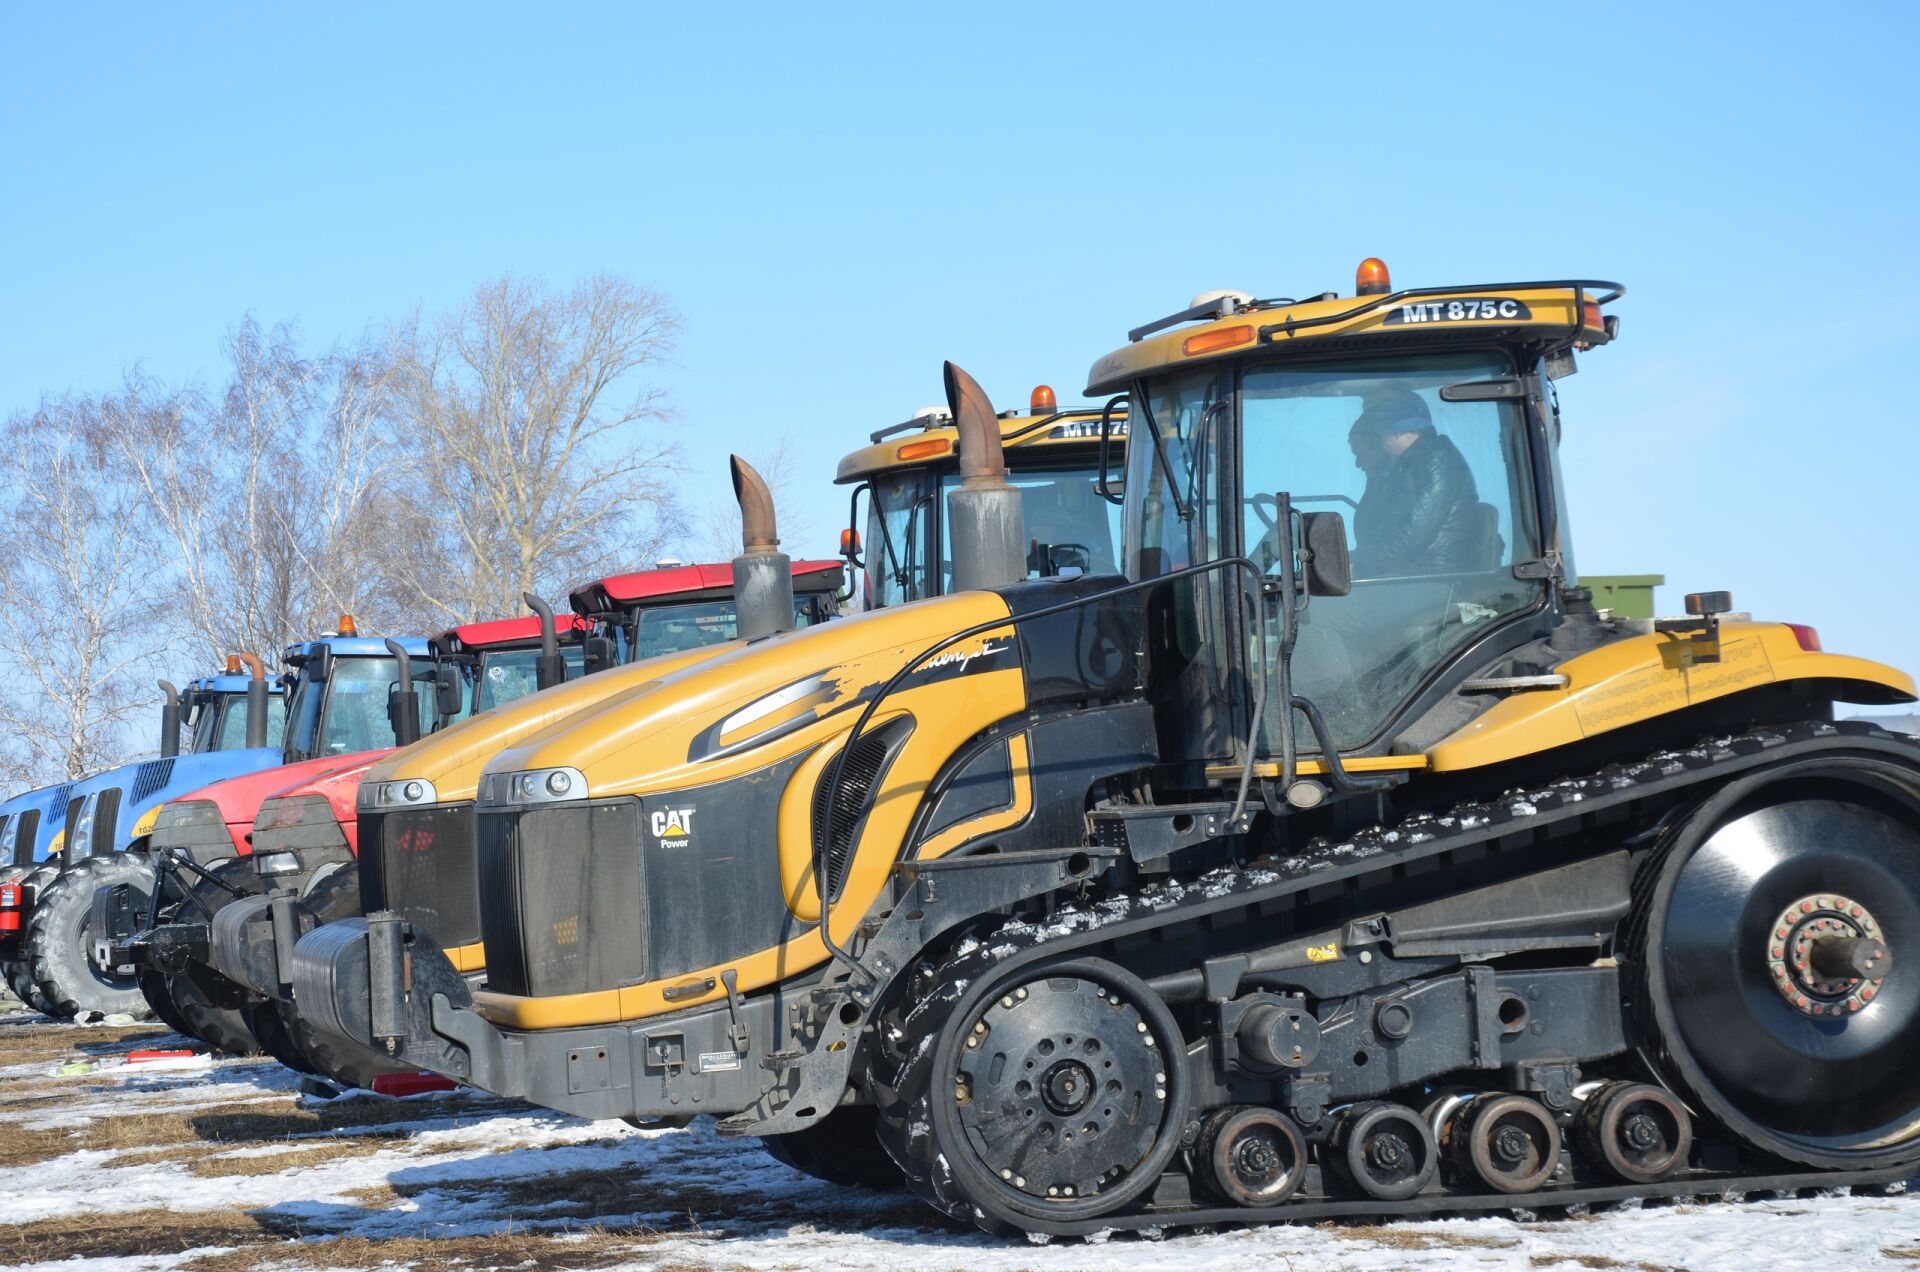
(839, 197)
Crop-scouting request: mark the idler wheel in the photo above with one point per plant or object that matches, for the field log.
(1508, 1142)
(1637, 1132)
(1383, 1150)
(1252, 1156)
(1059, 1092)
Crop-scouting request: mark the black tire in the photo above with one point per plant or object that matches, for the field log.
(18, 972)
(210, 1005)
(153, 987)
(1811, 1073)
(841, 1149)
(61, 931)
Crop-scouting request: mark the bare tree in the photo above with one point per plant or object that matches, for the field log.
(717, 535)
(78, 591)
(541, 448)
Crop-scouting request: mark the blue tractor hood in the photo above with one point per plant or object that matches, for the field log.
(30, 820)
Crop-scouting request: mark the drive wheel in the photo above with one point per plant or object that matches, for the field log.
(840, 1148)
(1776, 950)
(1052, 1093)
(61, 932)
(212, 1006)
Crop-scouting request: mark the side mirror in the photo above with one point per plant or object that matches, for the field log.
(449, 694)
(598, 654)
(1323, 554)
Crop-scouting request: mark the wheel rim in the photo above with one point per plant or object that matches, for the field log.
(1509, 1143)
(1386, 1151)
(1638, 1132)
(1738, 1021)
(1254, 1157)
(1063, 1092)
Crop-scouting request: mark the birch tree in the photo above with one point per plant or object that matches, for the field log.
(544, 455)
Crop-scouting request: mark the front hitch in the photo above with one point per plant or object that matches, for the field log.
(376, 981)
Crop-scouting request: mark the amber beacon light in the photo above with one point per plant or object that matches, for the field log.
(1371, 278)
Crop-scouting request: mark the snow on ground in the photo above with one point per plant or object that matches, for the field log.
(158, 1177)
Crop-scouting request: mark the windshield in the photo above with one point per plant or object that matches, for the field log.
(668, 629)
(232, 732)
(206, 726)
(1436, 498)
(506, 674)
(1070, 529)
(347, 712)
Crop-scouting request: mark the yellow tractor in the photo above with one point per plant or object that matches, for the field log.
(1333, 857)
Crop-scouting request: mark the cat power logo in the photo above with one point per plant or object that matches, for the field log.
(673, 827)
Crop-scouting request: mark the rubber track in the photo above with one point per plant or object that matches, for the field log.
(904, 1123)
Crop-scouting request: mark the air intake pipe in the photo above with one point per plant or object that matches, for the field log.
(551, 669)
(762, 574)
(256, 701)
(169, 721)
(986, 532)
(403, 704)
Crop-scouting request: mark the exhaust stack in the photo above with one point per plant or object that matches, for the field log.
(256, 701)
(403, 704)
(169, 721)
(762, 574)
(986, 531)
(550, 670)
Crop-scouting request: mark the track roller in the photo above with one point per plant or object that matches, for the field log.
(1637, 1132)
(1383, 1150)
(1508, 1142)
(1251, 1156)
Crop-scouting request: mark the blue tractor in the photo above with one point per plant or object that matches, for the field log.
(336, 691)
(212, 709)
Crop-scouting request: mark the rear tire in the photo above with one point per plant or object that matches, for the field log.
(62, 929)
(19, 972)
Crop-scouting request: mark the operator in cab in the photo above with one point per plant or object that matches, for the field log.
(1419, 513)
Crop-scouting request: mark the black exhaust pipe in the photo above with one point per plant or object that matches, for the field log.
(256, 702)
(403, 704)
(986, 529)
(762, 574)
(550, 669)
(169, 721)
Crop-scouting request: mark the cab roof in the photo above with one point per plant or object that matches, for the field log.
(354, 647)
(224, 683)
(507, 631)
(702, 581)
(931, 438)
(1553, 315)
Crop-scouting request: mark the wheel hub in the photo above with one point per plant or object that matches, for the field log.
(1067, 1088)
(1825, 955)
(1388, 1151)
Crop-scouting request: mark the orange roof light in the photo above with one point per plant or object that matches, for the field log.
(1042, 402)
(1371, 279)
(849, 542)
(347, 626)
(233, 664)
(1214, 341)
(924, 449)
(1590, 315)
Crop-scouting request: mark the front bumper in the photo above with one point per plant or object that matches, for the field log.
(379, 982)
(253, 940)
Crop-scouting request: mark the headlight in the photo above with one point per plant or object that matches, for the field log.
(532, 786)
(8, 839)
(82, 836)
(270, 864)
(406, 792)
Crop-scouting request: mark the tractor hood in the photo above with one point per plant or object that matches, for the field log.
(238, 799)
(712, 720)
(337, 786)
(451, 758)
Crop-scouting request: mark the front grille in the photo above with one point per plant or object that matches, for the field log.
(420, 862)
(566, 912)
(151, 779)
(23, 837)
(837, 813)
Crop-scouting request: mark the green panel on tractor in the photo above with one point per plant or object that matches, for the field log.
(1627, 595)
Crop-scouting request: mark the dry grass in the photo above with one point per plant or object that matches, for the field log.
(1393, 1238)
(591, 1249)
(41, 1041)
(125, 1236)
(1906, 1254)
(1599, 1262)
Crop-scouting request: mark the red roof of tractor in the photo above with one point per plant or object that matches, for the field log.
(649, 585)
(502, 631)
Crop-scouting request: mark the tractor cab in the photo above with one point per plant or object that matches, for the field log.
(674, 608)
(479, 666)
(213, 710)
(1054, 459)
(1391, 460)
